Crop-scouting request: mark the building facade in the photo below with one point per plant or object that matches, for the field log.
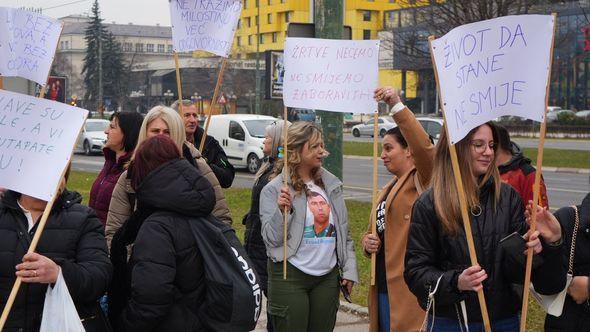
(139, 43)
(365, 17)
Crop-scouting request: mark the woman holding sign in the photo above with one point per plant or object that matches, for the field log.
(320, 251)
(408, 154)
(437, 259)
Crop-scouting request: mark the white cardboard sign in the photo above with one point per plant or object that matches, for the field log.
(331, 75)
(494, 68)
(27, 44)
(204, 25)
(36, 141)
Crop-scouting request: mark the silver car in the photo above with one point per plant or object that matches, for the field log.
(366, 129)
(92, 137)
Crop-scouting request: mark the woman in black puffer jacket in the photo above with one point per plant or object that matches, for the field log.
(576, 310)
(73, 241)
(437, 252)
(165, 287)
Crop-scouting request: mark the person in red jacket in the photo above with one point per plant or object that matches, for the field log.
(516, 169)
(122, 135)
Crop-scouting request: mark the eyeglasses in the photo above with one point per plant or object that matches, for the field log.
(481, 146)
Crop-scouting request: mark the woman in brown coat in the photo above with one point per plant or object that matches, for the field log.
(408, 154)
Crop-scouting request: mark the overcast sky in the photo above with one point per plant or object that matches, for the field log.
(147, 12)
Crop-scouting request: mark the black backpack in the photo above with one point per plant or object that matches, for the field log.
(233, 297)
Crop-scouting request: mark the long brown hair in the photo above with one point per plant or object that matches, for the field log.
(446, 198)
(299, 133)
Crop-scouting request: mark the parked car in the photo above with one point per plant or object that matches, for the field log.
(432, 126)
(583, 114)
(302, 114)
(241, 136)
(553, 108)
(554, 115)
(385, 123)
(92, 137)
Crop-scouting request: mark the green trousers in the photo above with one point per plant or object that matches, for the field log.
(302, 302)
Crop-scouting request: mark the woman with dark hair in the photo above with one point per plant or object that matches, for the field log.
(408, 155)
(253, 243)
(437, 262)
(161, 287)
(319, 261)
(122, 135)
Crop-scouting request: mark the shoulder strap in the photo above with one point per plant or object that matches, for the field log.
(574, 235)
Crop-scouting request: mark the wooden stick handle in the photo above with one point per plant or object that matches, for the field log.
(462, 200)
(373, 217)
(213, 103)
(536, 190)
(286, 184)
(178, 82)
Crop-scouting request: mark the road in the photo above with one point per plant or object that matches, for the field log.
(564, 144)
(563, 188)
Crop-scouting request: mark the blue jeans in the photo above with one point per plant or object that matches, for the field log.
(442, 324)
(383, 306)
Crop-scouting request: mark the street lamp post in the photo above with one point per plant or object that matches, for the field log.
(250, 94)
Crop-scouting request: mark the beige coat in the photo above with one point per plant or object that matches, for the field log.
(120, 207)
(405, 314)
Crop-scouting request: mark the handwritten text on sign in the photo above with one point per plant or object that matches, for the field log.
(331, 75)
(36, 140)
(27, 44)
(207, 25)
(494, 68)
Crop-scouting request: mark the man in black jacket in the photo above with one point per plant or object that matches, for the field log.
(212, 151)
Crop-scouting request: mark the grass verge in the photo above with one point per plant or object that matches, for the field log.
(551, 157)
(358, 212)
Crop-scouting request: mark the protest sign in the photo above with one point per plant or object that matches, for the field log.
(331, 75)
(493, 68)
(207, 25)
(36, 141)
(27, 44)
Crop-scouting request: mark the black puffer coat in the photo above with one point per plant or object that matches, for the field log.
(575, 317)
(73, 238)
(253, 242)
(166, 267)
(431, 253)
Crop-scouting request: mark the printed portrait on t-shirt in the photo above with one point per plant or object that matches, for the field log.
(320, 209)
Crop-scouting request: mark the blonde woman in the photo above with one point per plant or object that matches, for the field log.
(408, 154)
(320, 250)
(437, 259)
(161, 120)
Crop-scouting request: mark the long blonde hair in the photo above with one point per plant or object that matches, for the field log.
(172, 119)
(446, 198)
(299, 133)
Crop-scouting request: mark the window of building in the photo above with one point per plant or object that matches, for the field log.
(366, 34)
(257, 3)
(248, 23)
(406, 18)
(269, 2)
(139, 47)
(392, 19)
(256, 19)
(239, 23)
(170, 48)
(250, 40)
(275, 37)
(161, 48)
(288, 17)
(63, 45)
(150, 47)
(245, 4)
(239, 41)
(261, 39)
(367, 15)
(127, 47)
(269, 18)
(67, 44)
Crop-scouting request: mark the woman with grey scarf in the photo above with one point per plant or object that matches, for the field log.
(273, 139)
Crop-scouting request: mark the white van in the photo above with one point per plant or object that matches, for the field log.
(241, 136)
